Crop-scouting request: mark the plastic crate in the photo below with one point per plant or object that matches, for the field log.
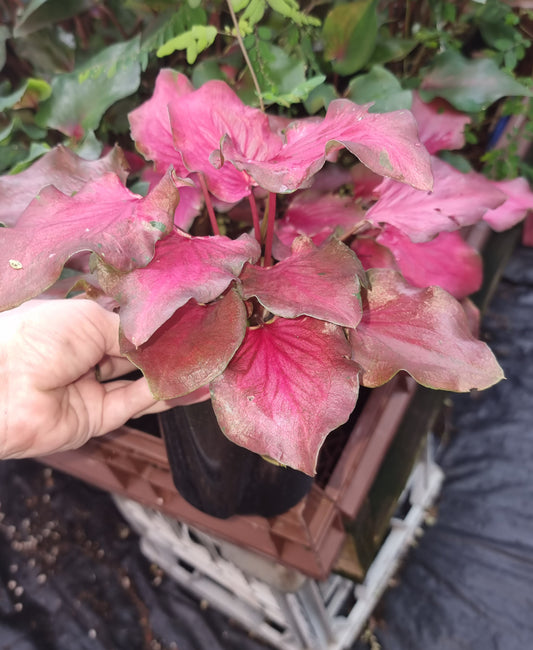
(309, 537)
(279, 605)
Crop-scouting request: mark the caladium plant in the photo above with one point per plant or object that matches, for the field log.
(317, 276)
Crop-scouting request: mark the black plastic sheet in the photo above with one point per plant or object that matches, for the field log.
(469, 583)
(72, 576)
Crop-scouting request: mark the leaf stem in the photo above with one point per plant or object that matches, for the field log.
(209, 205)
(255, 217)
(271, 218)
(245, 55)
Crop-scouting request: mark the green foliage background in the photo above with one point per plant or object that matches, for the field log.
(71, 70)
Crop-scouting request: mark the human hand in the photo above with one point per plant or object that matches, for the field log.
(51, 398)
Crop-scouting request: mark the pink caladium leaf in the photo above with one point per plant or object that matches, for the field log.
(59, 167)
(192, 347)
(104, 217)
(221, 114)
(191, 199)
(244, 136)
(289, 384)
(422, 331)
(446, 261)
(373, 255)
(518, 203)
(320, 282)
(440, 126)
(364, 182)
(318, 216)
(87, 287)
(457, 200)
(183, 267)
(150, 122)
(201, 394)
(387, 143)
(473, 316)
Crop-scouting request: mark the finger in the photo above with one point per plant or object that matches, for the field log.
(124, 400)
(113, 367)
(158, 407)
(165, 405)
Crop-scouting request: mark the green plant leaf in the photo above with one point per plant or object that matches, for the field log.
(40, 13)
(239, 5)
(205, 71)
(195, 40)
(381, 87)
(12, 153)
(470, 86)
(495, 29)
(90, 148)
(291, 9)
(349, 34)
(80, 98)
(170, 24)
(320, 97)
(282, 77)
(50, 50)
(297, 93)
(456, 160)
(29, 94)
(8, 101)
(30, 129)
(4, 35)
(392, 48)
(37, 149)
(253, 13)
(6, 131)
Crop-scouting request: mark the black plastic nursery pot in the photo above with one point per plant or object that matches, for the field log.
(220, 478)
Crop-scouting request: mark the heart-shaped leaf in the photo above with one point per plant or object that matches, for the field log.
(373, 255)
(59, 167)
(235, 133)
(183, 267)
(289, 384)
(192, 347)
(41, 13)
(150, 123)
(422, 331)
(320, 282)
(318, 216)
(440, 126)
(457, 200)
(349, 34)
(80, 98)
(381, 88)
(221, 113)
(446, 261)
(191, 198)
(518, 203)
(103, 217)
(387, 143)
(469, 85)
